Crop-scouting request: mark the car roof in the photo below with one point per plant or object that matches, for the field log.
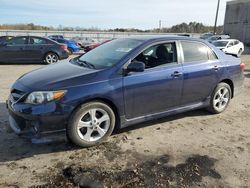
(162, 37)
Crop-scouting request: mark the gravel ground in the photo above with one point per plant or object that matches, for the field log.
(194, 149)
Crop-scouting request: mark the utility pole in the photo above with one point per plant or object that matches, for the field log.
(159, 26)
(216, 17)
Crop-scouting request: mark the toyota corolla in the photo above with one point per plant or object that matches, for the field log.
(121, 83)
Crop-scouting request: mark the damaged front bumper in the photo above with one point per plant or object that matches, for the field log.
(39, 123)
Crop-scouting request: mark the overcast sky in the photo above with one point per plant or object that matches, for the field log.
(142, 14)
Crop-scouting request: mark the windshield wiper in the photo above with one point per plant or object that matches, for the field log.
(85, 63)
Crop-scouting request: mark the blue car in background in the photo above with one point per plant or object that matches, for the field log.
(71, 44)
(121, 83)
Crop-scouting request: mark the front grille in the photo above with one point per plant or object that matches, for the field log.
(17, 95)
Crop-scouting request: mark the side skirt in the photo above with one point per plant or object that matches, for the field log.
(128, 122)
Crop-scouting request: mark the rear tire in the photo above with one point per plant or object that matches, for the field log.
(91, 124)
(220, 98)
(51, 58)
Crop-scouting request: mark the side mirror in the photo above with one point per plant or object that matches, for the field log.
(135, 66)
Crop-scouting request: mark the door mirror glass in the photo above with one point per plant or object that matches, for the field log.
(135, 66)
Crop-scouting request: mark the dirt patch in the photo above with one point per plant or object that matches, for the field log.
(155, 172)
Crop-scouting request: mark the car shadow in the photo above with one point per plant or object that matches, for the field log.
(13, 148)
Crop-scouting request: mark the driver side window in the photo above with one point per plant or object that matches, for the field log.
(158, 55)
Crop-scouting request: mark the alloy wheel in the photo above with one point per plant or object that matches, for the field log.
(93, 125)
(51, 58)
(221, 99)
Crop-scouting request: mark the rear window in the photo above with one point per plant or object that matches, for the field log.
(196, 51)
(38, 41)
(61, 41)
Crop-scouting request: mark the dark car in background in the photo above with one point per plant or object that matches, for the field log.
(205, 36)
(4, 39)
(121, 83)
(56, 37)
(217, 37)
(32, 49)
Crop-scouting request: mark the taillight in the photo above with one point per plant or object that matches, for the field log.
(64, 47)
(242, 66)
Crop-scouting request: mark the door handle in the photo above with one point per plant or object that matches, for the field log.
(176, 74)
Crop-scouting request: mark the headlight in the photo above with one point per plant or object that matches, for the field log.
(40, 97)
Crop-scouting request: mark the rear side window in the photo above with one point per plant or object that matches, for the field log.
(34, 40)
(196, 51)
(61, 41)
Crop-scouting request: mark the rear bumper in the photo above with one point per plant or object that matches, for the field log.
(63, 55)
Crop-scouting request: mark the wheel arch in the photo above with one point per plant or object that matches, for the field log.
(230, 83)
(46, 53)
(105, 101)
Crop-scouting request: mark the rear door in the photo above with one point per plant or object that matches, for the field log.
(201, 70)
(159, 87)
(14, 51)
(35, 48)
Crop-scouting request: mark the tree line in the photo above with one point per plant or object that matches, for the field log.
(192, 27)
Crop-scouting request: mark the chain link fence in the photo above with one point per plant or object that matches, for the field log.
(82, 34)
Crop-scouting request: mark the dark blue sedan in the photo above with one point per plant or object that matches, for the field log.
(121, 83)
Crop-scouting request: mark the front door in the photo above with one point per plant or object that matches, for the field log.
(14, 51)
(159, 87)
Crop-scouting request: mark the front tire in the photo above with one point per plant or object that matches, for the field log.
(220, 98)
(51, 58)
(91, 124)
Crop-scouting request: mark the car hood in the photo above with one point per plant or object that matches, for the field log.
(58, 76)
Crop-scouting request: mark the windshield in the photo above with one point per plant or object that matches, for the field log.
(220, 43)
(109, 53)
